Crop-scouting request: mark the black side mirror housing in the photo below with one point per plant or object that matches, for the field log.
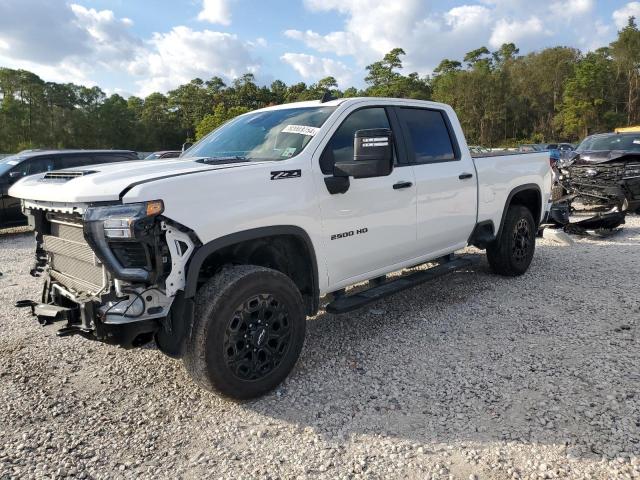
(372, 155)
(186, 146)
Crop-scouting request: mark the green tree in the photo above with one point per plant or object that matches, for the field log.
(626, 55)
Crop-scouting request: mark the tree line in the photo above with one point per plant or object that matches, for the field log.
(502, 98)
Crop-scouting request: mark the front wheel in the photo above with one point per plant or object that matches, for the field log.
(512, 252)
(248, 331)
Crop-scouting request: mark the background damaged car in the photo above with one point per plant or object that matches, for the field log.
(600, 180)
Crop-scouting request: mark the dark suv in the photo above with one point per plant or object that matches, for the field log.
(30, 162)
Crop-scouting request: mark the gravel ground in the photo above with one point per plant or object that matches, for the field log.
(475, 376)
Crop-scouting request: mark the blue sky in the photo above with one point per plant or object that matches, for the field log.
(141, 46)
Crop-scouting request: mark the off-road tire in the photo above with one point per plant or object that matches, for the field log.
(507, 255)
(218, 303)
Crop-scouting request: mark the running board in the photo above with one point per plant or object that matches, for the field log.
(347, 303)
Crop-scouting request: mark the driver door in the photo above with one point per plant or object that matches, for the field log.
(371, 226)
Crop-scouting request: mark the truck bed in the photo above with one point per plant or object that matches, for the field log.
(498, 175)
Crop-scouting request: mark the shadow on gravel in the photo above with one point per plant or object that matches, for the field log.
(550, 358)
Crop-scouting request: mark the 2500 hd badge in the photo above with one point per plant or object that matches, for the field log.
(350, 233)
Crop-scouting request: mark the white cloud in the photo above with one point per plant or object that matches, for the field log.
(313, 68)
(43, 32)
(371, 28)
(339, 43)
(621, 16)
(71, 43)
(215, 11)
(572, 8)
(182, 54)
(516, 31)
(467, 16)
(111, 37)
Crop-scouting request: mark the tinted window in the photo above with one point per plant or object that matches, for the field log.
(34, 165)
(73, 161)
(113, 158)
(340, 147)
(428, 135)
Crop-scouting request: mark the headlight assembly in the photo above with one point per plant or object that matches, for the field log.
(119, 221)
(125, 223)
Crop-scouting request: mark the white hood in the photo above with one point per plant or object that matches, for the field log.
(105, 182)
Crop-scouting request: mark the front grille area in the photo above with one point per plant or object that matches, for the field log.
(72, 261)
(597, 175)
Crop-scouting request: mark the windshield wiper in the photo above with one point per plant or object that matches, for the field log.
(226, 159)
(229, 158)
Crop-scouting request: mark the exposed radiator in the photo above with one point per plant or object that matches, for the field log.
(72, 261)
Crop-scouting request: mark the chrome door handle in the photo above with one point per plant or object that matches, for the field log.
(399, 185)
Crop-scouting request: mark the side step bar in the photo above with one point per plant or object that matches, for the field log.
(347, 303)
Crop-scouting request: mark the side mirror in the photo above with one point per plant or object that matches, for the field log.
(372, 155)
(186, 146)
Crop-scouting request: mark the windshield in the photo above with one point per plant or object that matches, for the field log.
(268, 135)
(614, 141)
(7, 163)
(153, 156)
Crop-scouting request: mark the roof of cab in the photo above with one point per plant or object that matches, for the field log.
(38, 153)
(344, 101)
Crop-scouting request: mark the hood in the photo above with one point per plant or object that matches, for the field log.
(105, 182)
(594, 157)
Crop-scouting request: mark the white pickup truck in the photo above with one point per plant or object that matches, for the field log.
(221, 254)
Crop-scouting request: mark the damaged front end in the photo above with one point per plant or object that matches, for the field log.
(599, 188)
(112, 271)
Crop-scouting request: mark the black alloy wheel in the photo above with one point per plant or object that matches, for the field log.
(257, 337)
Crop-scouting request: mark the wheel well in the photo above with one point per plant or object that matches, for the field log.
(531, 199)
(285, 253)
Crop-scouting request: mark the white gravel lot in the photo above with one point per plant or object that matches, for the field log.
(474, 376)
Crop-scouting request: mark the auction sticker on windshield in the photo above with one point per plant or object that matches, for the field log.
(301, 129)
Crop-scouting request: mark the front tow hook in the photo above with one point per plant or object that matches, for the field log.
(46, 313)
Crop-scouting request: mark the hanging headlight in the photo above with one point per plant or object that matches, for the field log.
(112, 223)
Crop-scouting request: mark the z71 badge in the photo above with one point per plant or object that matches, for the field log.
(283, 174)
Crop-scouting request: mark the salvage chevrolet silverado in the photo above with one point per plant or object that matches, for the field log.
(221, 254)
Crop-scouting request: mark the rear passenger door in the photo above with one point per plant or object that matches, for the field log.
(445, 180)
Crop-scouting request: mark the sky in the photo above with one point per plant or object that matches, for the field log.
(136, 47)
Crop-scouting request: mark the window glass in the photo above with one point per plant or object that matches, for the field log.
(340, 147)
(34, 165)
(99, 159)
(73, 161)
(612, 141)
(428, 135)
(264, 135)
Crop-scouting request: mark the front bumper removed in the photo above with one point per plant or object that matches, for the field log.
(83, 319)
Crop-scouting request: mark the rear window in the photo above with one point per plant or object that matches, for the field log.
(428, 135)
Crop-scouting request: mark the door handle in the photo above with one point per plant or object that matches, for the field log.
(464, 176)
(399, 185)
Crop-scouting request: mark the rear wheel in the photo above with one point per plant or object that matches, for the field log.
(248, 331)
(512, 252)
